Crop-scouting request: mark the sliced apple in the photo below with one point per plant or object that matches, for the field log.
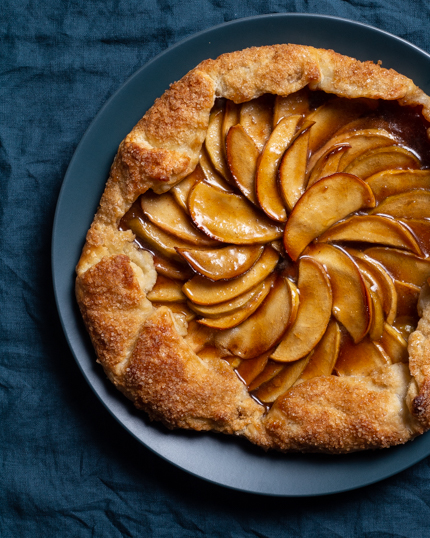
(390, 182)
(351, 301)
(382, 158)
(313, 313)
(228, 321)
(211, 175)
(382, 282)
(228, 307)
(249, 369)
(271, 369)
(158, 240)
(166, 290)
(180, 309)
(256, 119)
(295, 103)
(359, 359)
(198, 336)
(265, 327)
(214, 143)
(421, 230)
(325, 354)
(394, 344)
(376, 327)
(202, 291)
(359, 141)
(182, 190)
(242, 156)
(332, 116)
(163, 211)
(171, 268)
(372, 229)
(231, 118)
(328, 163)
(284, 380)
(266, 185)
(222, 263)
(407, 298)
(292, 169)
(239, 222)
(410, 205)
(327, 201)
(403, 266)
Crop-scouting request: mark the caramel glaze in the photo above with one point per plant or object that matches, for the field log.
(405, 123)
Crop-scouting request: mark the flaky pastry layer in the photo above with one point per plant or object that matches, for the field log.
(145, 351)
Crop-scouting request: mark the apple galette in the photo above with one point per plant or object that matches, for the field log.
(259, 262)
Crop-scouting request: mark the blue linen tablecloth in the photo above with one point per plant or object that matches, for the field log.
(67, 467)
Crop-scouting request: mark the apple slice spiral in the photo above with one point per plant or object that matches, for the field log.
(349, 197)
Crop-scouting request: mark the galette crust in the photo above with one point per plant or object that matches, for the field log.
(143, 350)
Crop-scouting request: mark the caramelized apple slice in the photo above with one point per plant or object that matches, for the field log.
(407, 298)
(332, 116)
(271, 369)
(358, 141)
(239, 222)
(292, 169)
(402, 266)
(157, 239)
(390, 182)
(166, 290)
(284, 380)
(359, 359)
(248, 370)
(376, 327)
(383, 158)
(394, 344)
(325, 354)
(202, 291)
(410, 205)
(384, 283)
(231, 118)
(313, 313)
(211, 175)
(198, 336)
(327, 201)
(222, 263)
(421, 230)
(214, 143)
(180, 309)
(256, 119)
(265, 327)
(163, 211)
(266, 179)
(228, 307)
(242, 156)
(227, 321)
(364, 141)
(182, 190)
(351, 301)
(295, 103)
(328, 163)
(372, 229)
(170, 268)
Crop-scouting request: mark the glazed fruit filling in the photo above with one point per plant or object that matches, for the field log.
(299, 245)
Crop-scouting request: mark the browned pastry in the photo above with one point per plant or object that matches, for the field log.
(256, 261)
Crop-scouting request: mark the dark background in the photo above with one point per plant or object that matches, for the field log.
(67, 468)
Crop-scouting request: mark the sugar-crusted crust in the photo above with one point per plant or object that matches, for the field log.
(143, 350)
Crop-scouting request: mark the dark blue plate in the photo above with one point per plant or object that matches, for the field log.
(220, 459)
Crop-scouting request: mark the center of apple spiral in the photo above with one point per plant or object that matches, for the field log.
(299, 245)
